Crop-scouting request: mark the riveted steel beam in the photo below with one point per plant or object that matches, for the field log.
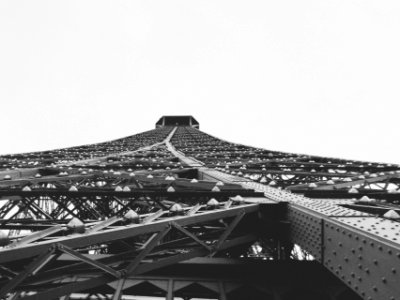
(113, 177)
(113, 234)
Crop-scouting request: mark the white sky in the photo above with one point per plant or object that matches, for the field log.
(316, 77)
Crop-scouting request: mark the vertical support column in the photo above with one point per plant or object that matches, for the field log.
(222, 293)
(170, 290)
(279, 249)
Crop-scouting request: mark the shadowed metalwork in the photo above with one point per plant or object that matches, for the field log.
(176, 212)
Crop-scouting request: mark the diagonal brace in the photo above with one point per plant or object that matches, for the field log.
(187, 233)
(104, 224)
(119, 290)
(228, 231)
(37, 236)
(149, 245)
(89, 261)
(193, 210)
(31, 269)
(153, 216)
(7, 272)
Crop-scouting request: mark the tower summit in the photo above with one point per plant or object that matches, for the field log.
(178, 121)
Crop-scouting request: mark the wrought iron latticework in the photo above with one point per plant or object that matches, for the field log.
(177, 213)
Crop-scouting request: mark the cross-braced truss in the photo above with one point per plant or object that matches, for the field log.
(126, 217)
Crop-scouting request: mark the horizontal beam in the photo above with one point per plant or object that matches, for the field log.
(121, 232)
(354, 181)
(273, 277)
(360, 249)
(142, 268)
(131, 194)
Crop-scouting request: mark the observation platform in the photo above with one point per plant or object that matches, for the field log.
(177, 121)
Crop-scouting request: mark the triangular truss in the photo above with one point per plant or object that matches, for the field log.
(149, 213)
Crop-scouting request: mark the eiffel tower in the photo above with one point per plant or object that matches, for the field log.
(176, 213)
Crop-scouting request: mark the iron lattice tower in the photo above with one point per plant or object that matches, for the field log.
(176, 213)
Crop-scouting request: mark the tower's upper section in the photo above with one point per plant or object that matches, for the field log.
(177, 121)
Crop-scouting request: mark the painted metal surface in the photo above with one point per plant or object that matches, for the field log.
(111, 213)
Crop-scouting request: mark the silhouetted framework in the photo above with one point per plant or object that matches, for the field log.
(179, 214)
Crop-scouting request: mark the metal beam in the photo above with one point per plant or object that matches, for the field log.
(122, 232)
(32, 268)
(89, 261)
(149, 246)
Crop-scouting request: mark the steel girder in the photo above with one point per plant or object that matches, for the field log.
(60, 256)
(361, 249)
(338, 236)
(157, 241)
(86, 153)
(273, 168)
(234, 279)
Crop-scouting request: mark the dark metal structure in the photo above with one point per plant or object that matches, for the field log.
(179, 214)
(177, 121)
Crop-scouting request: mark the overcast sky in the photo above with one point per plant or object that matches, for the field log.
(317, 77)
